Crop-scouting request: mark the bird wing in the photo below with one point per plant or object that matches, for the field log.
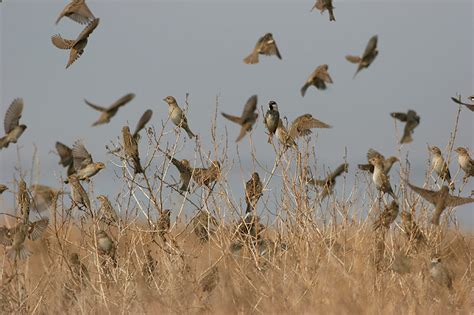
(81, 157)
(96, 107)
(5, 236)
(374, 154)
(87, 30)
(37, 228)
(13, 115)
(353, 59)
(339, 170)
(366, 167)
(243, 132)
(143, 121)
(400, 116)
(454, 201)
(65, 154)
(371, 47)
(428, 195)
(274, 50)
(237, 120)
(81, 13)
(62, 43)
(322, 73)
(121, 102)
(470, 106)
(301, 126)
(250, 107)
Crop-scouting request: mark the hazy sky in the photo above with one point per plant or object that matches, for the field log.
(160, 48)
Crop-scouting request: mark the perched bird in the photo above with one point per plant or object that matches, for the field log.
(318, 78)
(44, 197)
(177, 116)
(106, 212)
(300, 127)
(412, 120)
(13, 129)
(3, 188)
(84, 166)
(247, 119)
(283, 136)
(108, 112)
(411, 228)
(465, 162)
(387, 163)
(441, 199)
(387, 217)
(271, 119)
(16, 236)
(105, 245)
(184, 169)
(440, 274)
(77, 45)
(381, 180)
(253, 191)
(78, 194)
(77, 10)
(368, 57)
(204, 225)
(439, 166)
(65, 155)
(250, 227)
(131, 149)
(141, 124)
(164, 223)
(79, 271)
(323, 5)
(266, 45)
(469, 106)
(206, 176)
(23, 200)
(210, 279)
(329, 182)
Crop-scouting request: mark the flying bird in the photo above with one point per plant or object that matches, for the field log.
(367, 58)
(271, 119)
(84, 166)
(253, 191)
(142, 123)
(329, 182)
(78, 11)
(411, 120)
(300, 127)
(387, 217)
(247, 119)
(465, 162)
(76, 46)
(13, 129)
(16, 236)
(177, 116)
(266, 45)
(440, 166)
(318, 78)
(469, 106)
(387, 163)
(380, 179)
(323, 5)
(130, 146)
(108, 112)
(65, 155)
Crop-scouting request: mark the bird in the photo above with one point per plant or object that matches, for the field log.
(440, 274)
(283, 136)
(411, 228)
(380, 179)
(177, 116)
(108, 112)
(329, 182)
(465, 162)
(144, 119)
(84, 166)
(367, 57)
(441, 199)
(247, 119)
(130, 146)
(78, 11)
(387, 163)
(78, 194)
(3, 188)
(300, 127)
(387, 216)
(266, 45)
(15, 237)
(11, 123)
(469, 106)
(323, 5)
(164, 223)
(23, 200)
(411, 120)
(76, 46)
(250, 227)
(65, 155)
(271, 119)
(210, 280)
(253, 191)
(206, 176)
(318, 78)
(440, 166)
(105, 245)
(204, 225)
(44, 197)
(79, 271)
(184, 169)
(106, 212)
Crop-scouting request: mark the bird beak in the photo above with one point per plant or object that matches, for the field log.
(165, 100)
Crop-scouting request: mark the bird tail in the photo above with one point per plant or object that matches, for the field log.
(353, 59)
(304, 88)
(406, 139)
(4, 142)
(22, 252)
(137, 166)
(251, 59)
(189, 132)
(331, 15)
(232, 118)
(270, 139)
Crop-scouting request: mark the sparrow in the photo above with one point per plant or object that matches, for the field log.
(329, 182)
(78, 11)
(271, 119)
(105, 245)
(387, 163)
(107, 213)
(367, 58)
(177, 116)
(469, 106)
(210, 279)
(300, 127)
(441, 199)
(380, 179)
(412, 230)
(141, 124)
(412, 120)
(44, 197)
(440, 274)
(23, 200)
(16, 236)
(108, 112)
(65, 155)
(318, 78)
(253, 192)
(250, 226)
(3, 188)
(79, 271)
(387, 217)
(203, 225)
(248, 118)
(84, 166)
(439, 165)
(266, 45)
(77, 45)
(465, 162)
(130, 146)
(78, 194)
(283, 136)
(184, 169)
(164, 223)
(323, 5)
(206, 176)
(13, 129)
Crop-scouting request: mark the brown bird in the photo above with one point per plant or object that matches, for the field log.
(440, 274)
(283, 136)
(105, 245)
(387, 217)
(266, 45)
(323, 5)
(411, 228)
(163, 224)
(329, 182)
(108, 112)
(439, 166)
(78, 194)
(271, 119)
(142, 123)
(184, 169)
(106, 212)
(412, 120)
(206, 176)
(3, 188)
(204, 224)
(77, 10)
(210, 280)
(368, 57)
(248, 118)
(469, 106)
(16, 236)
(77, 45)
(177, 116)
(465, 162)
(300, 127)
(44, 197)
(253, 191)
(23, 200)
(79, 271)
(387, 163)
(131, 149)
(84, 166)
(13, 129)
(441, 199)
(250, 227)
(65, 155)
(318, 78)
(380, 179)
